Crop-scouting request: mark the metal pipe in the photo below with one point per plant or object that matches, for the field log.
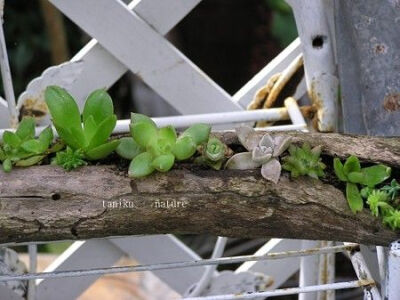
(392, 287)
(309, 270)
(290, 291)
(208, 273)
(32, 250)
(363, 273)
(6, 74)
(179, 265)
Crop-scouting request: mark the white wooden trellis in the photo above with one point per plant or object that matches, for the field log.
(131, 38)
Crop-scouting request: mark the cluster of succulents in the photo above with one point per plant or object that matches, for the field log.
(22, 149)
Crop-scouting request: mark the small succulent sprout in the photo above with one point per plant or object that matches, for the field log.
(304, 161)
(22, 149)
(263, 152)
(392, 219)
(153, 149)
(352, 173)
(98, 119)
(213, 154)
(393, 189)
(377, 201)
(70, 159)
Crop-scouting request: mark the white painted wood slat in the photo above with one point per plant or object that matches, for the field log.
(146, 53)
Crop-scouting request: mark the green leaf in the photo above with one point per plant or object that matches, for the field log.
(143, 132)
(354, 198)
(352, 164)
(215, 149)
(102, 151)
(33, 146)
(338, 167)
(62, 107)
(356, 177)
(11, 139)
(159, 146)
(103, 132)
(128, 148)
(99, 105)
(46, 137)
(58, 146)
(26, 129)
(7, 165)
(67, 137)
(3, 155)
(136, 118)
(184, 148)
(164, 163)
(30, 161)
(141, 165)
(375, 175)
(198, 132)
(89, 128)
(168, 133)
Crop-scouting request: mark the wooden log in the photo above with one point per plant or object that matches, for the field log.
(44, 203)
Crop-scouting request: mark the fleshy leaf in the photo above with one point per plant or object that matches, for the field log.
(375, 175)
(136, 118)
(266, 141)
(352, 164)
(159, 146)
(247, 137)
(99, 105)
(242, 161)
(7, 165)
(168, 133)
(62, 107)
(338, 167)
(141, 165)
(356, 177)
(102, 151)
(353, 196)
(198, 132)
(128, 148)
(261, 154)
(184, 148)
(32, 146)
(89, 128)
(11, 139)
(103, 132)
(26, 129)
(164, 163)
(33, 160)
(143, 132)
(3, 155)
(271, 170)
(281, 144)
(46, 137)
(67, 137)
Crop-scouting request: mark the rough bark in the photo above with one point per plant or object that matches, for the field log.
(48, 203)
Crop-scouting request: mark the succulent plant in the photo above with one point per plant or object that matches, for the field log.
(213, 153)
(393, 189)
(22, 148)
(304, 161)
(153, 149)
(69, 159)
(263, 152)
(392, 219)
(378, 201)
(98, 119)
(352, 173)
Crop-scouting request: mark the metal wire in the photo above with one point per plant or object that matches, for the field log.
(290, 291)
(179, 265)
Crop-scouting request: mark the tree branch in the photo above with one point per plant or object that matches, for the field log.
(45, 203)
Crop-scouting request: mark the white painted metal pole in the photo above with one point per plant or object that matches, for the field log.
(32, 249)
(392, 288)
(326, 272)
(309, 270)
(6, 74)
